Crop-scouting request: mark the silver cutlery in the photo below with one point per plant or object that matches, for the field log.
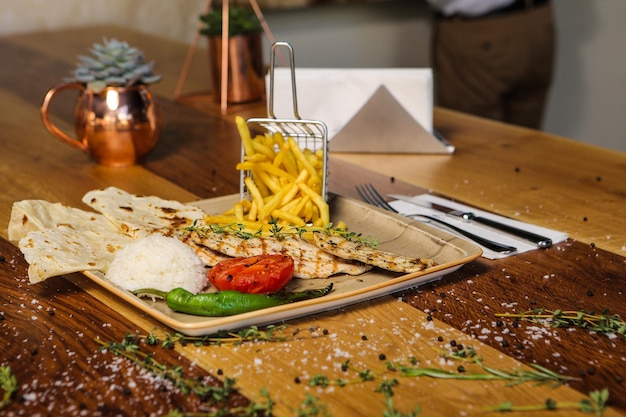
(540, 241)
(370, 195)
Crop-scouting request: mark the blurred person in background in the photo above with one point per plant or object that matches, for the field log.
(494, 58)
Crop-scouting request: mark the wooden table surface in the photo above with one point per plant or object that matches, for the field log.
(49, 331)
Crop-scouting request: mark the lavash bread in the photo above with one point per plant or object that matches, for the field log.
(32, 215)
(139, 216)
(57, 239)
(65, 249)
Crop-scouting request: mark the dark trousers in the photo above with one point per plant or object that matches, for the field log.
(499, 67)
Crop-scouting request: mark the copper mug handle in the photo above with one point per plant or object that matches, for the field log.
(80, 144)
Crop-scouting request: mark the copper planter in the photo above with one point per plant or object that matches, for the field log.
(246, 81)
(117, 126)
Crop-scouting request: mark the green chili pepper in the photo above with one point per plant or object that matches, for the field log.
(228, 303)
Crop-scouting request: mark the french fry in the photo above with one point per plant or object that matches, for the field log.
(284, 183)
(271, 204)
(244, 133)
(324, 210)
(263, 149)
(257, 157)
(252, 214)
(240, 211)
(257, 198)
(288, 217)
(302, 159)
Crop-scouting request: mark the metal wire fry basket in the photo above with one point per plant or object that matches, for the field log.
(309, 134)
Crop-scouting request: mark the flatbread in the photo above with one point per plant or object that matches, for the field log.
(139, 216)
(57, 239)
(64, 249)
(32, 215)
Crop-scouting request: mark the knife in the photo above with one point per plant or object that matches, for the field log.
(540, 241)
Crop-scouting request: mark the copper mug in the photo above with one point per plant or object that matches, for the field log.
(117, 126)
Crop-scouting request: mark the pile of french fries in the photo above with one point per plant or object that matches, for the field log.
(285, 184)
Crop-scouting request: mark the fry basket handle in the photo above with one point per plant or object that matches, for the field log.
(292, 68)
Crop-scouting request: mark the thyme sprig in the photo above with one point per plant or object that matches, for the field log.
(216, 396)
(596, 403)
(385, 387)
(238, 229)
(277, 231)
(270, 333)
(538, 374)
(312, 406)
(352, 236)
(604, 323)
(8, 384)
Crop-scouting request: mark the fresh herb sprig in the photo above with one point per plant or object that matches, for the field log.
(8, 384)
(270, 333)
(216, 396)
(279, 232)
(312, 406)
(604, 323)
(538, 374)
(352, 236)
(596, 403)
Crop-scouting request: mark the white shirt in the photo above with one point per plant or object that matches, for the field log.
(469, 8)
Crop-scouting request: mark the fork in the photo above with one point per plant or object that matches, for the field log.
(370, 195)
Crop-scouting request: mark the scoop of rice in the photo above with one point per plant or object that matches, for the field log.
(159, 262)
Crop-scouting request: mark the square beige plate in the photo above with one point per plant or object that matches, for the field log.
(394, 233)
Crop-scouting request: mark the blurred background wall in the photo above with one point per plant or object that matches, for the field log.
(587, 101)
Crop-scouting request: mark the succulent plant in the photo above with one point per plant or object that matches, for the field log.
(113, 63)
(241, 21)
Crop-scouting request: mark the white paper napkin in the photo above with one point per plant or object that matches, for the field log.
(478, 229)
(365, 109)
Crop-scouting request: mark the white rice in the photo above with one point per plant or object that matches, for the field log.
(159, 262)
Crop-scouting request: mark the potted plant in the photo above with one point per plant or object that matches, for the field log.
(116, 118)
(245, 53)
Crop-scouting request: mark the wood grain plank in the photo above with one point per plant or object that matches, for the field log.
(48, 333)
(523, 174)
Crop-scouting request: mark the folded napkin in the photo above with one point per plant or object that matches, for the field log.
(478, 229)
(366, 110)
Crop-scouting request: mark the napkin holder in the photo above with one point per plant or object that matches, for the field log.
(386, 111)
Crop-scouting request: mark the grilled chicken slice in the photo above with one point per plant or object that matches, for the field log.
(309, 260)
(347, 249)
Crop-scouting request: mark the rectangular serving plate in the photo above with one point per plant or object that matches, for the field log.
(394, 233)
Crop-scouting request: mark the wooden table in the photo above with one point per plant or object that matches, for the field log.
(49, 330)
